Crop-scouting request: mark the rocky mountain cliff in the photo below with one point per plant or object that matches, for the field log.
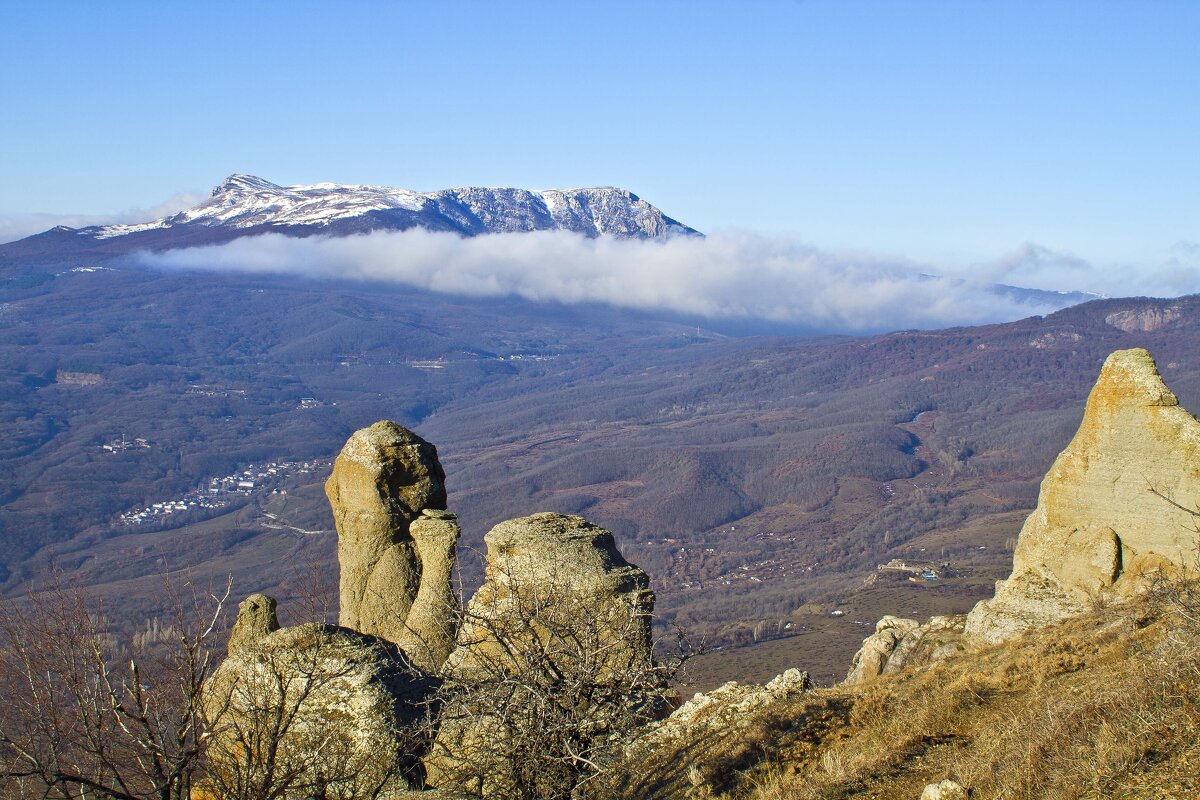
(244, 205)
(1078, 679)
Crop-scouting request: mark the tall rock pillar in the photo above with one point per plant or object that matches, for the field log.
(383, 479)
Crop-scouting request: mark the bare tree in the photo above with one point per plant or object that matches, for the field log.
(90, 716)
(548, 682)
(313, 711)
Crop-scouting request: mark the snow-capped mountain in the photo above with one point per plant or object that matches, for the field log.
(244, 201)
(244, 205)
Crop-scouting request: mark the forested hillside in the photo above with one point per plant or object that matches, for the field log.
(760, 480)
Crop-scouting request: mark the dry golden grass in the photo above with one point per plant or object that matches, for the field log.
(1104, 706)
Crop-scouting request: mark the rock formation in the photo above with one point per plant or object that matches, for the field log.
(727, 707)
(1113, 514)
(689, 753)
(554, 655)
(432, 621)
(1145, 319)
(898, 642)
(383, 479)
(545, 558)
(256, 618)
(1113, 509)
(560, 627)
(331, 706)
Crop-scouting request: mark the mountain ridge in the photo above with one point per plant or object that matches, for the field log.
(245, 205)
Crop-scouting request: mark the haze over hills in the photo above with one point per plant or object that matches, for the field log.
(865, 348)
(754, 476)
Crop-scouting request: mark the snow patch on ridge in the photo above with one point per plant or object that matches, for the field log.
(246, 201)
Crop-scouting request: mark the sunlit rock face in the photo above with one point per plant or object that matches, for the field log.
(898, 642)
(382, 480)
(1113, 513)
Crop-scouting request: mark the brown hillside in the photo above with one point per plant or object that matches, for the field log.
(1102, 706)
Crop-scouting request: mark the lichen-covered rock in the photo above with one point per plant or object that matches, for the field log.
(382, 480)
(554, 652)
(432, 623)
(898, 643)
(730, 705)
(680, 755)
(1109, 515)
(543, 558)
(872, 658)
(332, 706)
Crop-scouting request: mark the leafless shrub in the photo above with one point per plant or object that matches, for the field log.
(88, 715)
(553, 681)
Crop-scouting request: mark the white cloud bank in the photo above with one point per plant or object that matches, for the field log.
(731, 276)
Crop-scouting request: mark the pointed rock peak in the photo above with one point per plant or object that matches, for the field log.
(1112, 513)
(1130, 377)
(239, 182)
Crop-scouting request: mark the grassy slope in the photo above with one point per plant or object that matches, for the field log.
(1104, 706)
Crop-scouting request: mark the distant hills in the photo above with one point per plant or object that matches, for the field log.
(244, 205)
(758, 478)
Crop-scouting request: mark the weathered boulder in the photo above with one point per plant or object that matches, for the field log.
(554, 655)
(1113, 509)
(382, 480)
(542, 559)
(329, 707)
(876, 651)
(729, 706)
(687, 754)
(898, 643)
(946, 790)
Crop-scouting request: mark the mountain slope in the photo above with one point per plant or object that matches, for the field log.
(1102, 706)
(752, 476)
(245, 205)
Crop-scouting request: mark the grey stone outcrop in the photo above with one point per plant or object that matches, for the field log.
(256, 619)
(432, 622)
(898, 642)
(1116, 512)
(945, 790)
(557, 596)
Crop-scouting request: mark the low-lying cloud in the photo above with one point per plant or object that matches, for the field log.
(729, 276)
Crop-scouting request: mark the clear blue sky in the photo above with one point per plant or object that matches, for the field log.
(942, 131)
